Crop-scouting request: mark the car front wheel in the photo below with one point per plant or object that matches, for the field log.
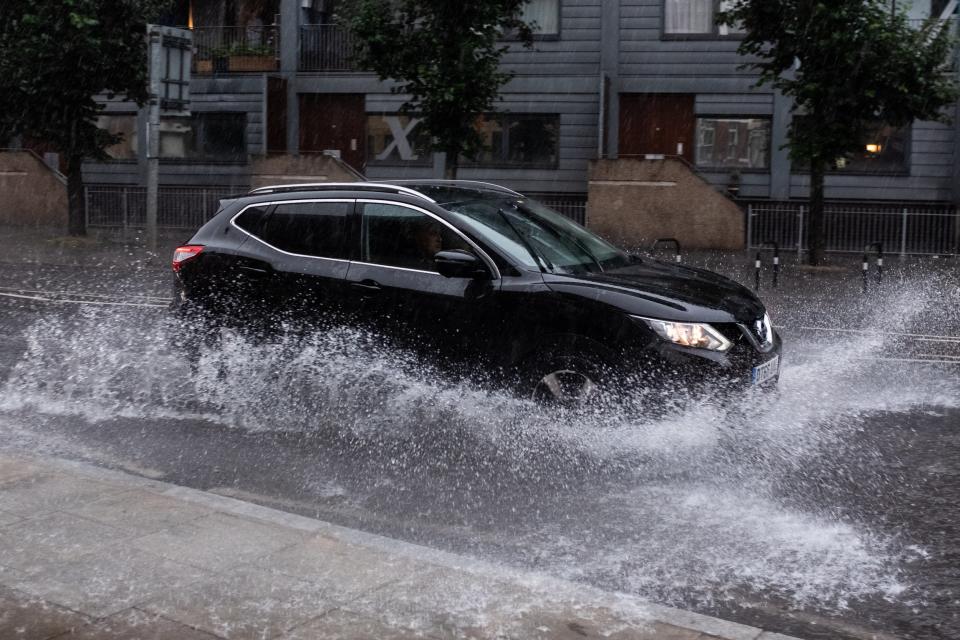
(566, 379)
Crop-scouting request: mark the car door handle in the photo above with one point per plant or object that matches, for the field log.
(367, 285)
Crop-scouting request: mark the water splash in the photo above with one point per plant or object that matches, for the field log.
(699, 504)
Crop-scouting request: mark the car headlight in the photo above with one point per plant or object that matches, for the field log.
(688, 334)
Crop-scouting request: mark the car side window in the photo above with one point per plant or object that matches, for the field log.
(397, 236)
(319, 229)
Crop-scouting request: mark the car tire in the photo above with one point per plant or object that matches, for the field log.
(566, 377)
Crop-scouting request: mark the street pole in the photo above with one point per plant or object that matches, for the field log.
(153, 136)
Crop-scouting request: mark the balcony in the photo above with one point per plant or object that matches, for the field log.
(251, 49)
(326, 47)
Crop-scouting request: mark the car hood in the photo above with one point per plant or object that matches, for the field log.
(667, 291)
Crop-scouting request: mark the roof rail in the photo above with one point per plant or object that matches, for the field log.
(457, 183)
(339, 186)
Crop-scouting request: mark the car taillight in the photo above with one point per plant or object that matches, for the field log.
(182, 254)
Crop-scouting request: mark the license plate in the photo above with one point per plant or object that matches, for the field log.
(769, 369)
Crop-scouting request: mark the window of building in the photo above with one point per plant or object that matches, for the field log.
(124, 125)
(695, 18)
(544, 16)
(397, 139)
(733, 143)
(205, 136)
(519, 140)
(318, 229)
(396, 236)
(884, 150)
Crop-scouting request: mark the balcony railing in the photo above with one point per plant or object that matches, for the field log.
(326, 47)
(248, 49)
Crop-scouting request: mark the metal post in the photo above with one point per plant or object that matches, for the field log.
(153, 136)
(903, 235)
(756, 268)
(800, 232)
(866, 266)
(86, 207)
(126, 217)
(776, 268)
(749, 226)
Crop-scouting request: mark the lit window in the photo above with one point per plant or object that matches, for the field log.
(884, 150)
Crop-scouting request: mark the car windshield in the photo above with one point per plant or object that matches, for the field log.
(535, 235)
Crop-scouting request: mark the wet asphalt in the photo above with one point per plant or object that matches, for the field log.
(830, 513)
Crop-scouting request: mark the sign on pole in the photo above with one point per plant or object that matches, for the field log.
(169, 57)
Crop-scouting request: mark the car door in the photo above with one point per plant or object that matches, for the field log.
(400, 293)
(299, 255)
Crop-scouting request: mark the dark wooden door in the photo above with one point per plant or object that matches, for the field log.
(658, 123)
(334, 121)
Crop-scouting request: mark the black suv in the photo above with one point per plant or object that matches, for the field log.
(475, 274)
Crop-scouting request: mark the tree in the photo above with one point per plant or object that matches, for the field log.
(445, 55)
(847, 65)
(56, 56)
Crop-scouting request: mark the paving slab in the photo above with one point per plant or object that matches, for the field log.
(104, 583)
(133, 624)
(35, 545)
(44, 492)
(139, 512)
(218, 542)
(8, 518)
(246, 604)
(349, 569)
(25, 617)
(347, 625)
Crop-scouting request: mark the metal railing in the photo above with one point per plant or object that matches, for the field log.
(236, 49)
(326, 47)
(905, 228)
(571, 206)
(125, 207)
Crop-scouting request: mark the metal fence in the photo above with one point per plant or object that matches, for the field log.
(905, 228)
(572, 206)
(125, 207)
(236, 49)
(326, 47)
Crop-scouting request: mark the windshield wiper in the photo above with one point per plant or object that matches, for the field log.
(545, 265)
(562, 237)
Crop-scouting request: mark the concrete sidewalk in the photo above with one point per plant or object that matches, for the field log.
(96, 554)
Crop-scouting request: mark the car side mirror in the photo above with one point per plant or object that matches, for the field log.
(457, 263)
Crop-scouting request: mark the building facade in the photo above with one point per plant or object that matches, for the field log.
(606, 78)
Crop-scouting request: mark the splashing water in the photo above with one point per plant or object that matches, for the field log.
(693, 510)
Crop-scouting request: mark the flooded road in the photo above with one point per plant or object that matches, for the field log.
(824, 510)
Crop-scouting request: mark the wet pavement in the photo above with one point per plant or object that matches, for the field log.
(826, 510)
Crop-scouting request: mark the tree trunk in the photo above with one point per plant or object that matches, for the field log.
(451, 164)
(76, 203)
(816, 229)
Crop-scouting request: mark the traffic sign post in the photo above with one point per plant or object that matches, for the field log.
(169, 58)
